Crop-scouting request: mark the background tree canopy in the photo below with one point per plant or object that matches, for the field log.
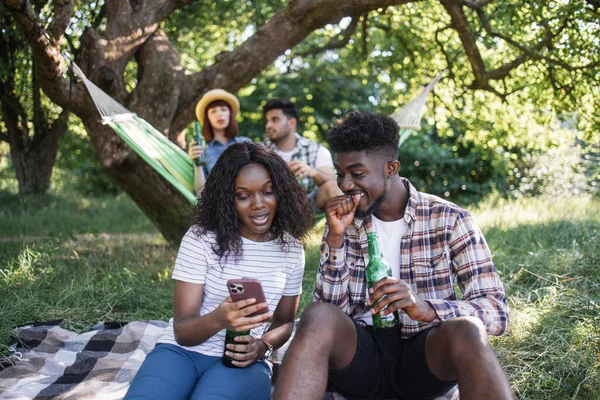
(521, 78)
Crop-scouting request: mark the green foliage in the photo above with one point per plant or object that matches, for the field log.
(452, 167)
(564, 170)
(16, 67)
(8, 180)
(324, 93)
(202, 30)
(313, 256)
(456, 166)
(78, 166)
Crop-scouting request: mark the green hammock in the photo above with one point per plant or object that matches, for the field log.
(174, 164)
(169, 160)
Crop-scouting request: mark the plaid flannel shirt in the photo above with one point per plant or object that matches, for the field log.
(306, 150)
(442, 245)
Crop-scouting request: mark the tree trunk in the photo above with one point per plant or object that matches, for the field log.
(166, 207)
(34, 166)
(33, 156)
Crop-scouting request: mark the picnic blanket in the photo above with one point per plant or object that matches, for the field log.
(48, 361)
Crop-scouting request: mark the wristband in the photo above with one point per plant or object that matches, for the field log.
(269, 350)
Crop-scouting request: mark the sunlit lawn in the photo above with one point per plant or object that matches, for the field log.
(91, 259)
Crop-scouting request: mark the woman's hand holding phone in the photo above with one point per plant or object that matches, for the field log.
(235, 315)
(244, 309)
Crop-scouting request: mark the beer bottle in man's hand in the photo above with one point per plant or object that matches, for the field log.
(378, 269)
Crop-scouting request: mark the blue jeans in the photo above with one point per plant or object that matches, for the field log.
(172, 372)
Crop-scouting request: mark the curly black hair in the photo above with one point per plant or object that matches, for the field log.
(364, 131)
(215, 211)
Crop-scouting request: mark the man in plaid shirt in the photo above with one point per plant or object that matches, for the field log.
(431, 245)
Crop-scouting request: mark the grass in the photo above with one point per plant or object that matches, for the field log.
(68, 214)
(91, 259)
(548, 253)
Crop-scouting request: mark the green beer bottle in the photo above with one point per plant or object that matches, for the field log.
(200, 142)
(229, 336)
(378, 269)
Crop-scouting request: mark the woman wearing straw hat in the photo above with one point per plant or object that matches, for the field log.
(216, 112)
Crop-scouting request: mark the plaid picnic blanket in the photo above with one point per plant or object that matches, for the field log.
(50, 362)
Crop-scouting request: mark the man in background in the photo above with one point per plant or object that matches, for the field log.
(311, 162)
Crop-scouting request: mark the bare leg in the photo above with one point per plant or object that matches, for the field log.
(459, 350)
(326, 191)
(325, 339)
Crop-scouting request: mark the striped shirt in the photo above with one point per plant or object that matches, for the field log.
(442, 245)
(280, 271)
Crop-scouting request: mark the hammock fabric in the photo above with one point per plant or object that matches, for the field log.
(408, 117)
(171, 162)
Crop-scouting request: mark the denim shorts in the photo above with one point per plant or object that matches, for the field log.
(385, 366)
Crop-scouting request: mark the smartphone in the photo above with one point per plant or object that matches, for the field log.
(247, 288)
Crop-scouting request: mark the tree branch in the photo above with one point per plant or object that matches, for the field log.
(449, 60)
(38, 114)
(59, 126)
(283, 31)
(48, 56)
(475, 4)
(98, 18)
(504, 70)
(527, 52)
(146, 14)
(342, 40)
(63, 10)
(71, 45)
(158, 61)
(466, 36)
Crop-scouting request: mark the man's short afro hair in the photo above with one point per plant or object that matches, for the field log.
(364, 131)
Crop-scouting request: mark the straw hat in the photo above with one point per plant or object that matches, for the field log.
(216, 94)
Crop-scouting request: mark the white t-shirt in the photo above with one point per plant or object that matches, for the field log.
(389, 234)
(279, 270)
(323, 156)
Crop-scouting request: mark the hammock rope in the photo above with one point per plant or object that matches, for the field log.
(172, 163)
(409, 116)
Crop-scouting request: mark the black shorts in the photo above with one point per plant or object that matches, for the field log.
(388, 367)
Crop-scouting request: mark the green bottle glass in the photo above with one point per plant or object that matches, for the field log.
(378, 269)
(200, 142)
(229, 336)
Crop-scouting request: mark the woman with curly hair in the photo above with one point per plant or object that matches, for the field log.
(249, 222)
